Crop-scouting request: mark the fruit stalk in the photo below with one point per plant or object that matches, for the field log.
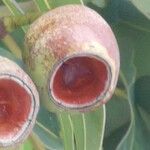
(11, 23)
(9, 41)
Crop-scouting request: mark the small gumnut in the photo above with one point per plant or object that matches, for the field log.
(19, 104)
(79, 56)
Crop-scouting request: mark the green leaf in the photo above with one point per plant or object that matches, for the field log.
(142, 96)
(49, 120)
(94, 126)
(98, 3)
(142, 53)
(142, 6)
(83, 131)
(131, 16)
(42, 5)
(129, 38)
(47, 129)
(117, 121)
(57, 3)
(139, 33)
(145, 118)
(18, 36)
(7, 54)
(50, 140)
(128, 76)
(89, 129)
(14, 8)
(67, 134)
(139, 27)
(27, 6)
(112, 141)
(22, 0)
(142, 92)
(27, 145)
(79, 130)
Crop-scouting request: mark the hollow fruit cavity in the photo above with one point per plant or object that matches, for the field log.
(79, 81)
(15, 103)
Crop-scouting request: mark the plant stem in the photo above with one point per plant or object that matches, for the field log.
(13, 22)
(120, 93)
(38, 145)
(12, 45)
(9, 41)
(27, 6)
(3, 31)
(10, 23)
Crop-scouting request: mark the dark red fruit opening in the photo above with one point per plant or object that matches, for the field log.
(79, 80)
(15, 103)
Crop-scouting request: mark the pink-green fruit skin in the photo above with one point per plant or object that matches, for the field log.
(66, 32)
(19, 104)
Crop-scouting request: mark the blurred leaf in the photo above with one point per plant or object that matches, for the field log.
(111, 12)
(2, 45)
(130, 15)
(145, 118)
(111, 142)
(47, 129)
(7, 54)
(27, 6)
(50, 140)
(27, 145)
(143, 6)
(42, 5)
(14, 8)
(49, 120)
(18, 36)
(98, 3)
(142, 53)
(117, 121)
(142, 92)
(12, 46)
(128, 76)
(142, 116)
(57, 3)
(139, 33)
(22, 0)
(129, 42)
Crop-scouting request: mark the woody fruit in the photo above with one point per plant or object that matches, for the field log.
(19, 104)
(73, 57)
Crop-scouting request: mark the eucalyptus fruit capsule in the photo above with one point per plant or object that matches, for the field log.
(19, 104)
(73, 57)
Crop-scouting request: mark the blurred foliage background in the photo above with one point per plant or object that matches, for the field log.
(124, 122)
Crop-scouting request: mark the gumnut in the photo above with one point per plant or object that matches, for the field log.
(73, 58)
(19, 104)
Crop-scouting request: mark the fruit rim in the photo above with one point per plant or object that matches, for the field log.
(25, 128)
(81, 107)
